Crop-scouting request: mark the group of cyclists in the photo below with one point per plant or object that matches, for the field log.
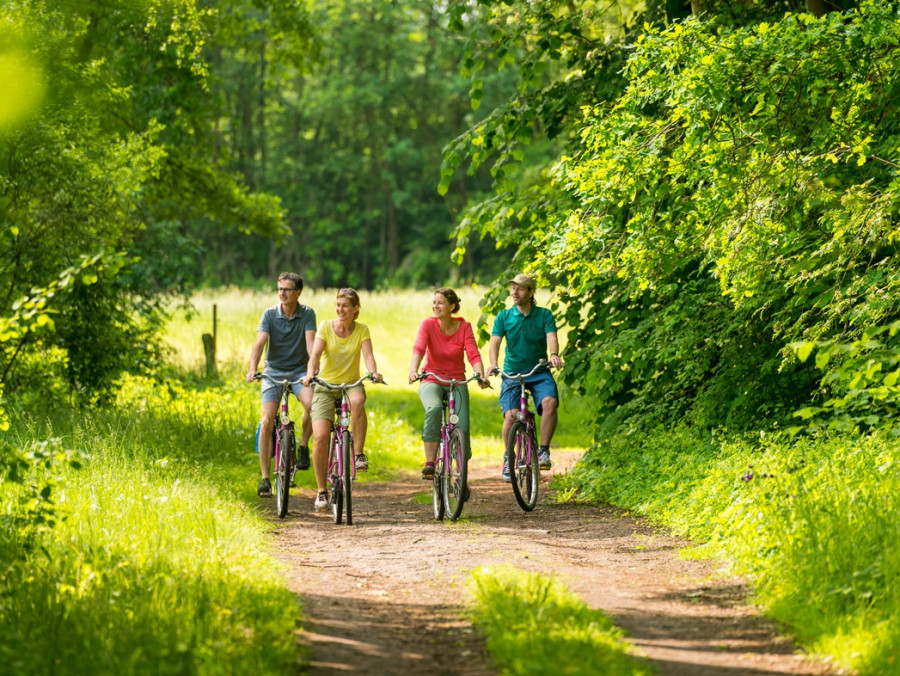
(297, 349)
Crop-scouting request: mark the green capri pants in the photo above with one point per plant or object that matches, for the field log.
(432, 396)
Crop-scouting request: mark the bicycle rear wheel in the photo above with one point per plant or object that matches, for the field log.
(523, 466)
(337, 492)
(284, 461)
(346, 483)
(437, 486)
(454, 479)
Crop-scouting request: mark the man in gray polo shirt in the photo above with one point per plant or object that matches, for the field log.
(289, 329)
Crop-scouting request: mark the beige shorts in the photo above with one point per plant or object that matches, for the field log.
(324, 399)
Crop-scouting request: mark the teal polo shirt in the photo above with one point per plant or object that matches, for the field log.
(526, 336)
(286, 351)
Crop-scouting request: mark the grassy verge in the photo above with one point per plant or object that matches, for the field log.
(152, 567)
(534, 625)
(812, 523)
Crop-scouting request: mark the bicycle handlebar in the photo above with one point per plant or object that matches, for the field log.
(452, 381)
(283, 381)
(343, 386)
(543, 363)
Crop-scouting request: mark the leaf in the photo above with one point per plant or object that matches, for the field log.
(804, 349)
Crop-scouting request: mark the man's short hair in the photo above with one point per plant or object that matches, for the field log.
(294, 278)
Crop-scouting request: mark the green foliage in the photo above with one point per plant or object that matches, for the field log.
(38, 470)
(859, 387)
(347, 130)
(737, 193)
(97, 178)
(535, 625)
(809, 521)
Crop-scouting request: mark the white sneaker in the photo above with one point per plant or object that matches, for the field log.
(321, 503)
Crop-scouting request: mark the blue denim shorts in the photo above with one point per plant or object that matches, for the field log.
(541, 385)
(272, 392)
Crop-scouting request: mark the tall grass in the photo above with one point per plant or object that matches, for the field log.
(152, 569)
(811, 522)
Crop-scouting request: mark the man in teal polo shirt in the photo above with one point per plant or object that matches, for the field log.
(530, 331)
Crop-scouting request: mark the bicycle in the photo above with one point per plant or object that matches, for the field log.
(341, 466)
(449, 489)
(521, 444)
(283, 445)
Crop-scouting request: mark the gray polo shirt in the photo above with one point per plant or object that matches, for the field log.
(286, 351)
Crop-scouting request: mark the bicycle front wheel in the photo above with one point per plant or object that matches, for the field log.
(347, 484)
(437, 486)
(455, 488)
(284, 462)
(337, 491)
(523, 466)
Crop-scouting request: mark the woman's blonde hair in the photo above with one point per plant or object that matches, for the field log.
(352, 296)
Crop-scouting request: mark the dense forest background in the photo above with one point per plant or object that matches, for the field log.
(710, 188)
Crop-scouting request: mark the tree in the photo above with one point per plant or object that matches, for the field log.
(737, 194)
(348, 133)
(95, 181)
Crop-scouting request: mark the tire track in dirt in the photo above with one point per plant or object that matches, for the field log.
(383, 596)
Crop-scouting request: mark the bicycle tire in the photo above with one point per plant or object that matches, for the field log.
(284, 443)
(437, 486)
(455, 474)
(347, 482)
(337, 493)
(523, 466)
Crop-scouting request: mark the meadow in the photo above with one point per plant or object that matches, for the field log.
(136, 543)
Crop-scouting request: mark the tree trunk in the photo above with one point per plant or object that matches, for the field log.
(816, 7)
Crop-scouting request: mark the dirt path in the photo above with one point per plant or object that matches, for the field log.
(391, 605)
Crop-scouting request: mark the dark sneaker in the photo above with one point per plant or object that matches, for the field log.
(428, 471)
(321, 503)
(362, 462)
(302, 457)
(544, 457)
(505, 473)
(264, 490)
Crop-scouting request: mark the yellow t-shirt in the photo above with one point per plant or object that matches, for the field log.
(340, 359)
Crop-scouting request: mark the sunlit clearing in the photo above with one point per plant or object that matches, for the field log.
(22, 86)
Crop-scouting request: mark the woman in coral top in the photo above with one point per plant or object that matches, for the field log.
(444, 339)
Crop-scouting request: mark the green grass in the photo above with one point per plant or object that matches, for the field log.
(153, 569)
(158, 563)
(534, 625)
(812, 523)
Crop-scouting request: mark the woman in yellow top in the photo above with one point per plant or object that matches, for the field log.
(338, 345)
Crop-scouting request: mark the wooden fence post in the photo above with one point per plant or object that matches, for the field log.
(209, 347)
